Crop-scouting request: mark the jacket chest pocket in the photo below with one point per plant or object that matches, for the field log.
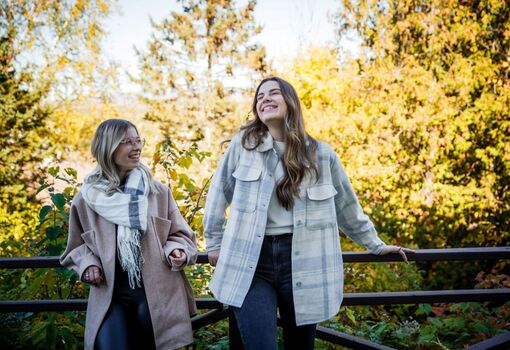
(320, 206)
(246, 190)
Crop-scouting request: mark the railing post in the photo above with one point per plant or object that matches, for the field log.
(234, 338)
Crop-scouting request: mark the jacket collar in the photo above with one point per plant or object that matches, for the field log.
(267, 143)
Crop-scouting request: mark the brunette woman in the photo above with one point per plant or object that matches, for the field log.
(288, 195)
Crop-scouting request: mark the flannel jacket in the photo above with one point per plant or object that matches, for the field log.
(244, 182)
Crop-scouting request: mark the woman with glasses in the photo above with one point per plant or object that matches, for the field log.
(129, 242)
(288, 195)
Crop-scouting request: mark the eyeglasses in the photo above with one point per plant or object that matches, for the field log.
(131, 142)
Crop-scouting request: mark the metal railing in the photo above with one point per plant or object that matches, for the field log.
(219, 311)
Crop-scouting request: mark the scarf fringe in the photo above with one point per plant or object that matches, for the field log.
(129, 252)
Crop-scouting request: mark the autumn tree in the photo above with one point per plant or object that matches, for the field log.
(47, 54)
(420, 119)
(431, 98)
(196, 68)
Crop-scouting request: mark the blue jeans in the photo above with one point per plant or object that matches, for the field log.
(272, 287)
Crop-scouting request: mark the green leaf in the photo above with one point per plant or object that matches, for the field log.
(483, 328)
(54, 249)
(42, 188)
(54, 171)
(424, 309)
(37, 332)
(52, 232)
(68, 337)
(427, 335)
(59, 200)
(64, 215)
(51, 333)
(72, 172)
(350, 315)
(68, 191)
(44, 212)
(185, 162)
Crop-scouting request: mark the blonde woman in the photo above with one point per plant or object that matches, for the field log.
(129, 242)
(288, 195)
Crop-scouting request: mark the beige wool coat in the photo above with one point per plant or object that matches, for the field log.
(92, 241)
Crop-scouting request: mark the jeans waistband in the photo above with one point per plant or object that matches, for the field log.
(276, 237)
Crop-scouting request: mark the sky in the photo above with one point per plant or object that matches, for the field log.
(287, 26)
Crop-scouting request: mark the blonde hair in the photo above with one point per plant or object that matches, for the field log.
(301, 150)
(106, 139)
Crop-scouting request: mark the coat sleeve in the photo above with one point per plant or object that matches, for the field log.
(350, 216)
(219, 196)
(77, 255)
(181, 236)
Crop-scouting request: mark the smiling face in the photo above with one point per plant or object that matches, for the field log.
(127, 155)
(271, 107)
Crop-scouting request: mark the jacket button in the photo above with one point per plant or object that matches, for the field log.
(296, 253)
(299, 222)
(298, 284)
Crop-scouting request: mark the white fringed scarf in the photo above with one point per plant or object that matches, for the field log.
(128, 210)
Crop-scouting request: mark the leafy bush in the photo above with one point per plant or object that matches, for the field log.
(437, 326)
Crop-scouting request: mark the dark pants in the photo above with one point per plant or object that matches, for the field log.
(127, 324)
(272, 287)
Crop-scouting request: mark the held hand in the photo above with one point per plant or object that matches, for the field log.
(396, 249)
(213, 257)
(177, 257)
(93, 275)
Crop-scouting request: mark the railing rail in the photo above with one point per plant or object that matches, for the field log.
(462, 254)
(218, 311)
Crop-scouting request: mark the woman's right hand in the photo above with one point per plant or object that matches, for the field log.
(92, 275)
(213, 257)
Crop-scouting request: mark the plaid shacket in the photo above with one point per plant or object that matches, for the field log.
(245, 181)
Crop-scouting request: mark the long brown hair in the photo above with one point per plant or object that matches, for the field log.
(299, 158)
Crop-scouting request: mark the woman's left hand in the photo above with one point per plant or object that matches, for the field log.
(397, 249)
(177, 257)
